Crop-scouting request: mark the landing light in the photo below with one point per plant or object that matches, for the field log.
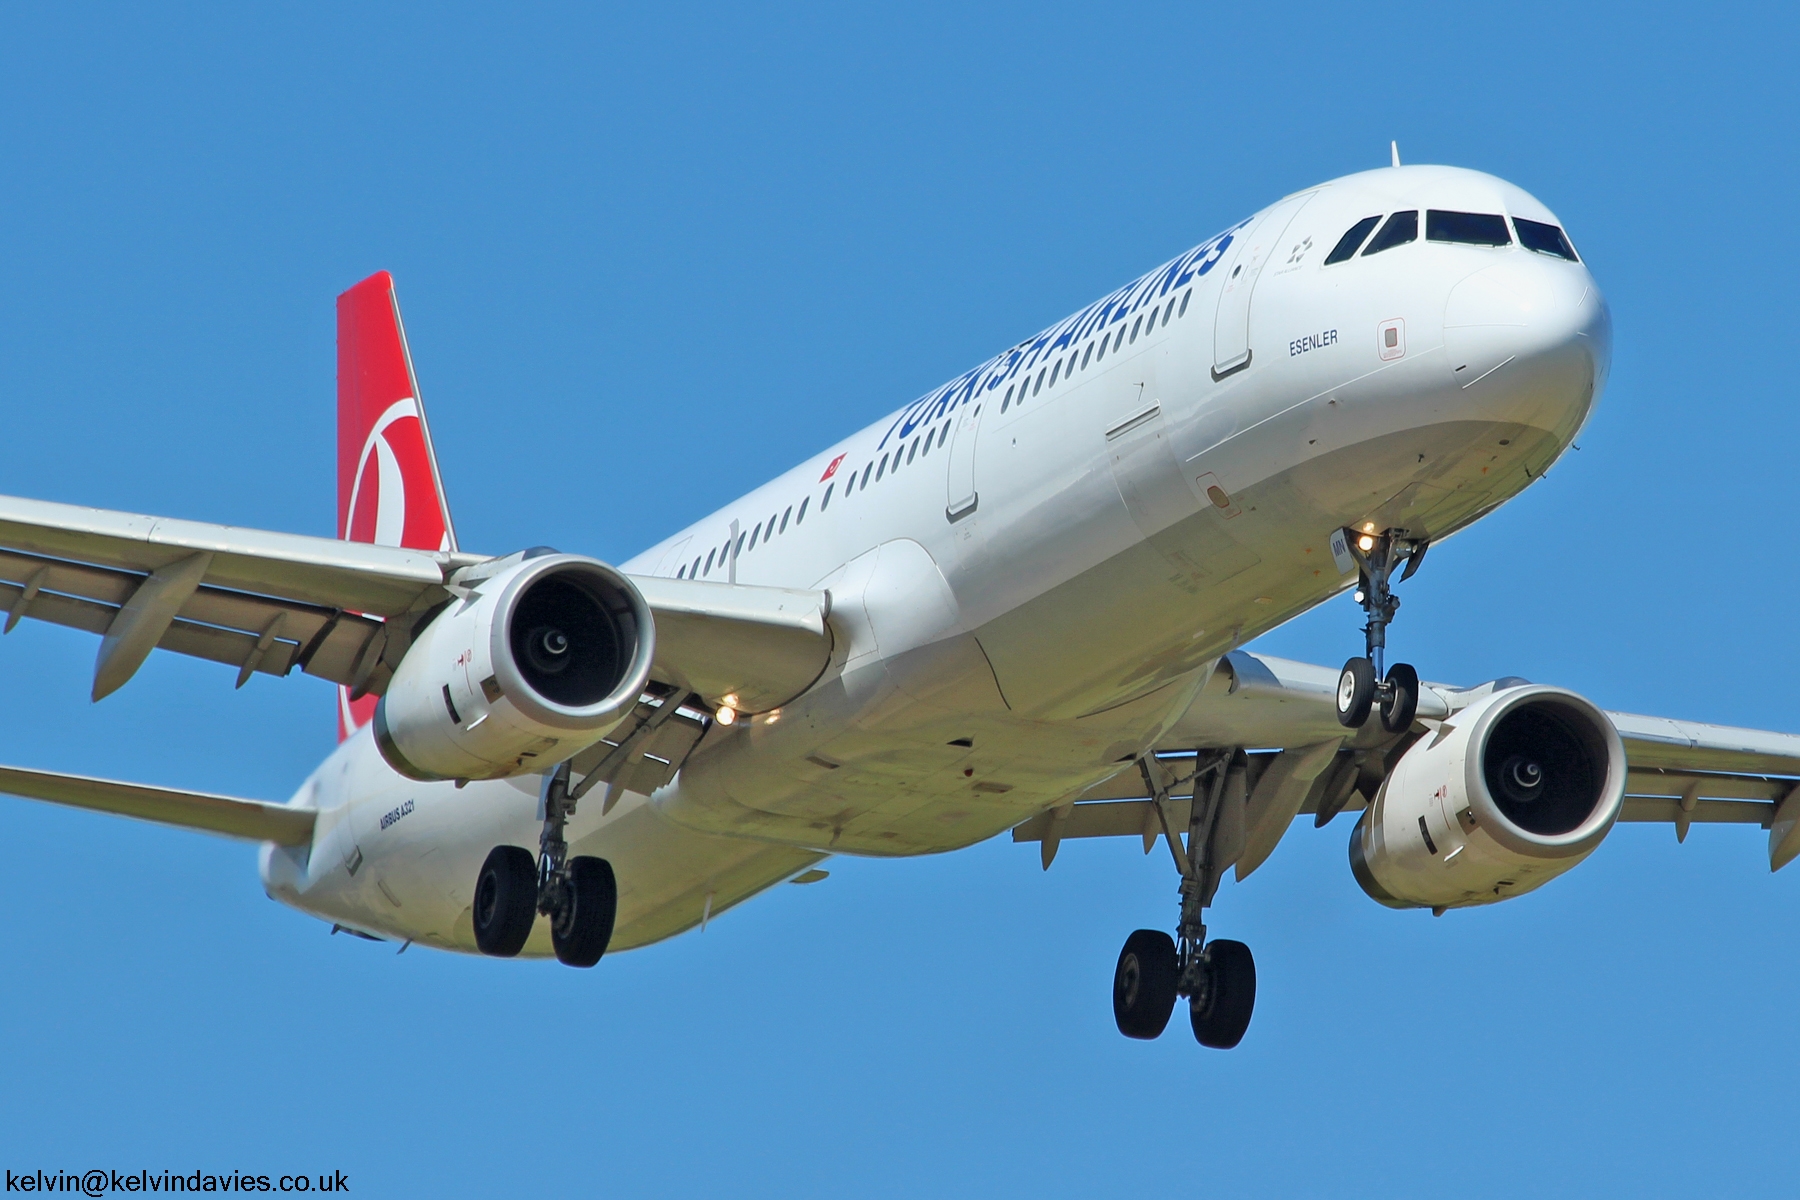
(726, 714)
(1366, 543)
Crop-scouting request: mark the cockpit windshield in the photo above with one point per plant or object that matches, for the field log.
(1544, 238)
(1401, 228)
(1471, 229)
(1352, 240)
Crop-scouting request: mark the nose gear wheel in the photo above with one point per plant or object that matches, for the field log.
(1363, 687)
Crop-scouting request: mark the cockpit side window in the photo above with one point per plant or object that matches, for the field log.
(1544, 238)
(1401, 228)
(1472, 229)
(1352, 240)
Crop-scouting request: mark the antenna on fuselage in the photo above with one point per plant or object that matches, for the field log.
(1394, 149)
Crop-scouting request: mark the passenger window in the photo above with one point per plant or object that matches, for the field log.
(740, 543)
(1401, 228)
(1167, 313)
(945, 435)
(867, 471)
(1055, 371)
(1006, 403)
(1120, 340)
(709, 560)
(753, 534)
(1039, 385)
(1134, 328)
(1349, 244)
(882, 470)
(1152, 322)
(1470, 229)
(1186, 296)
(1102, 354)
(1544, 238)
(913, 452)
(1087, 355)
(784, 519)
(681, 571)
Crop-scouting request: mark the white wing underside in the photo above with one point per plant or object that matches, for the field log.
(1681, 772)
(270, 602)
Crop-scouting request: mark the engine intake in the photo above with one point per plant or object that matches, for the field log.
(544, 657)
(1508, 794)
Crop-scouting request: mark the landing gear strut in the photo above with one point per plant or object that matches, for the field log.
(1362, 686)
(1218, 977)
(580, 895)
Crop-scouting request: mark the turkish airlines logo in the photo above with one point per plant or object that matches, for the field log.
(394, 500)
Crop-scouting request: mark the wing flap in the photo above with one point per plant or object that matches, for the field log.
(764, 645)
(256, 820)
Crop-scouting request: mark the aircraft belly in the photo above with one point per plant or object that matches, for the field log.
(423, 843)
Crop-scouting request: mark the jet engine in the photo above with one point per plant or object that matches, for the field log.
(538, 660)
(1507, 794)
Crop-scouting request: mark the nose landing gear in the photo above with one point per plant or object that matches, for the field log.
(580, 895)
(1362, 686)
(1218, 977)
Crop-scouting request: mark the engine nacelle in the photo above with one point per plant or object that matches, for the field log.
(543, 658)
(1510, 793)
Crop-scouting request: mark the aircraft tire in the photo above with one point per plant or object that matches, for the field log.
(1355, 693)
(1401, 704)
(1144, 984)
(583, 926)
(1231, 997)
(505, 901)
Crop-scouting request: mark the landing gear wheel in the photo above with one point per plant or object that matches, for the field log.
(1221, 1014)
(505, 901)
(1400, 698)
(1144, 984)
(1355, 693)
(583, 923)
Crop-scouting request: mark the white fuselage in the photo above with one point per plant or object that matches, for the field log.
(1033, 569)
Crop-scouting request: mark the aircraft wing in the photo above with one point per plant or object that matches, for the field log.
(257, 820)
(270, 602)
(1302, 761)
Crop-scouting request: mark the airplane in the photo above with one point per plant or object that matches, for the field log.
(1018, 603)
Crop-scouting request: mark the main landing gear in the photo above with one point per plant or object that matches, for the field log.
(1362, 687)
(1219, 977)
(579, 895)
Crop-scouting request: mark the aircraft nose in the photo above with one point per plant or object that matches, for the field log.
(1530, 338)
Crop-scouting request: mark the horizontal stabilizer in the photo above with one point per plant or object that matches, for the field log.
(257, 820)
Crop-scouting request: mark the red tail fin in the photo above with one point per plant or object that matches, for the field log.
(389, 489)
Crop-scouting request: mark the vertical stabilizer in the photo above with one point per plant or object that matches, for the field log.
(389, 489)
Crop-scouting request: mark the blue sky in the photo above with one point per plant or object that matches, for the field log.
(663, 245)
